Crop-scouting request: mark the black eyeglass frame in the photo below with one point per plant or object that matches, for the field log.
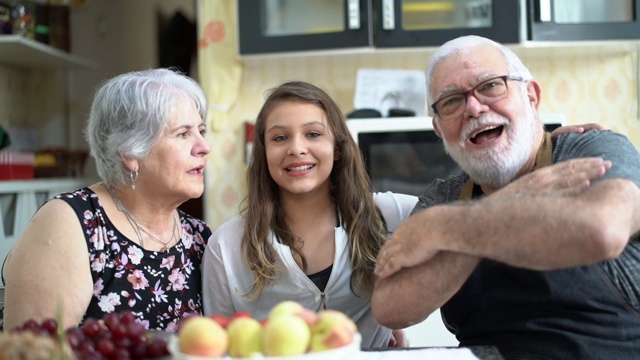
(465, 94)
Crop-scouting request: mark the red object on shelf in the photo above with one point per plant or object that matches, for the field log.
(16, 172)
(16, 165)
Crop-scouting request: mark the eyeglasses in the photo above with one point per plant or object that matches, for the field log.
(487, 92)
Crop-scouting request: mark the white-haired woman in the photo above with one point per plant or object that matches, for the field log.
(122, 244)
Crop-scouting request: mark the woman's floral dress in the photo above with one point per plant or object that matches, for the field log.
(157, 287)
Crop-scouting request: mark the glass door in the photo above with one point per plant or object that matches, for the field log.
(268, 26)
(583, 19)
(433, 22)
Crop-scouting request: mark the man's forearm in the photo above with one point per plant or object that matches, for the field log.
(410, 295)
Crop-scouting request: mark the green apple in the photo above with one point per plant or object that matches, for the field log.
(286, 335)
(245, 337)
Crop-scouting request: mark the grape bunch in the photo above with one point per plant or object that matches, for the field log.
(117, 336)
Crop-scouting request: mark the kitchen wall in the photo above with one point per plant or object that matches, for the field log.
(587, 84)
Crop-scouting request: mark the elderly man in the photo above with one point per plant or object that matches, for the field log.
(538, 273)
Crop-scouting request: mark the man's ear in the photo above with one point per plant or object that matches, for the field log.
(436, 127)
(533, 93)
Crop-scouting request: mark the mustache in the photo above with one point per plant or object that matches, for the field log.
(473, 124)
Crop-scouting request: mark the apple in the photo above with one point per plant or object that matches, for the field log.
(220, 319)
(202, 336)
(286, 335)
(245, 337)
(333, 329)
(239, 314)
(290, 307)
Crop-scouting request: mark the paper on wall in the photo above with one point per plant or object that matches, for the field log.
(387, 89)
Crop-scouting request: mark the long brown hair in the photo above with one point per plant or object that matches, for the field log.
(351, 192)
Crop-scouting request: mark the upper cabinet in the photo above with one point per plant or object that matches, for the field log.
(268, 26)
(552, 20)
(18, 51)
(274, 26)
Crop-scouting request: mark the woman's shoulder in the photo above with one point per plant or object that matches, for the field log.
(229, 231)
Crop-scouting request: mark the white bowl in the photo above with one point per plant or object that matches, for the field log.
(348, 352)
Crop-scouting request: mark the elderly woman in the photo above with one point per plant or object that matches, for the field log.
(122, 244)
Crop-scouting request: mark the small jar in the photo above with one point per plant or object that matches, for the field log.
(23, 20)
(6, 24)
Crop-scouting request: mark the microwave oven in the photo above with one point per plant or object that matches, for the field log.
(404, 154)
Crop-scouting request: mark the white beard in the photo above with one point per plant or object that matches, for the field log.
(499, 165)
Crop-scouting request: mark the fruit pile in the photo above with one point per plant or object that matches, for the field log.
(117, 336)
(289, 330)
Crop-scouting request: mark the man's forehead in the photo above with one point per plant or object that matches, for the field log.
(467, 67)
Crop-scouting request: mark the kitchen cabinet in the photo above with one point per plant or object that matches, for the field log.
(554, 20)
(272, 26)
(289, 26)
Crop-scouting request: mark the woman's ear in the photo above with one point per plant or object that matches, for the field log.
(131, 163)
(337, 154)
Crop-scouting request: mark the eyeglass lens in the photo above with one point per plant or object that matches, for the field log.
(486, 92)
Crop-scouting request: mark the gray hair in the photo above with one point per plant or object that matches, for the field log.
(129, 113)
(465, 43)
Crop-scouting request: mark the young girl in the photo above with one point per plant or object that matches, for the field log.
(311, 228)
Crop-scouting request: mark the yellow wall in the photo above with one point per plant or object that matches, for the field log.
(595, 83)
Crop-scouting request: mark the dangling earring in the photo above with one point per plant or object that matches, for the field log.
(134, 176)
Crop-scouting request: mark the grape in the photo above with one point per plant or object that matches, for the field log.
(91, 328)
(106, 347)
(75, 337)
(122, 354)
(111, 320)
(157, 348)
(117, 336)
(50, 326)
(31, 325)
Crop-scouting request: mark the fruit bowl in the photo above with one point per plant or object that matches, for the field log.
(348, 352)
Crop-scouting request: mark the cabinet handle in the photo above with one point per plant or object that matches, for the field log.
(388, 15)
(353, 9)
(544, 10)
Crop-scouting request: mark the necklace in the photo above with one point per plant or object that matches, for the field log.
(301, 238)
(137, 228)
(165, 245)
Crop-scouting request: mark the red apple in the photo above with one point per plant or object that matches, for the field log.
(333, 329)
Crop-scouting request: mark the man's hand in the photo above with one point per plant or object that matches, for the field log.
(579, 129)
(565, 178)
(420, 237)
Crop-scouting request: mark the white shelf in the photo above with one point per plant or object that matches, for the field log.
(20, 52)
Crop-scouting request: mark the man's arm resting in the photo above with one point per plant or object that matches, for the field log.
(410, 295)
(550, 232)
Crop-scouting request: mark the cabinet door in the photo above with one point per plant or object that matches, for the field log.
(433, 22)
(583, 19)
(268, 26)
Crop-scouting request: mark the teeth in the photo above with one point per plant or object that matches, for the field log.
(300, 168)
(473, 136)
